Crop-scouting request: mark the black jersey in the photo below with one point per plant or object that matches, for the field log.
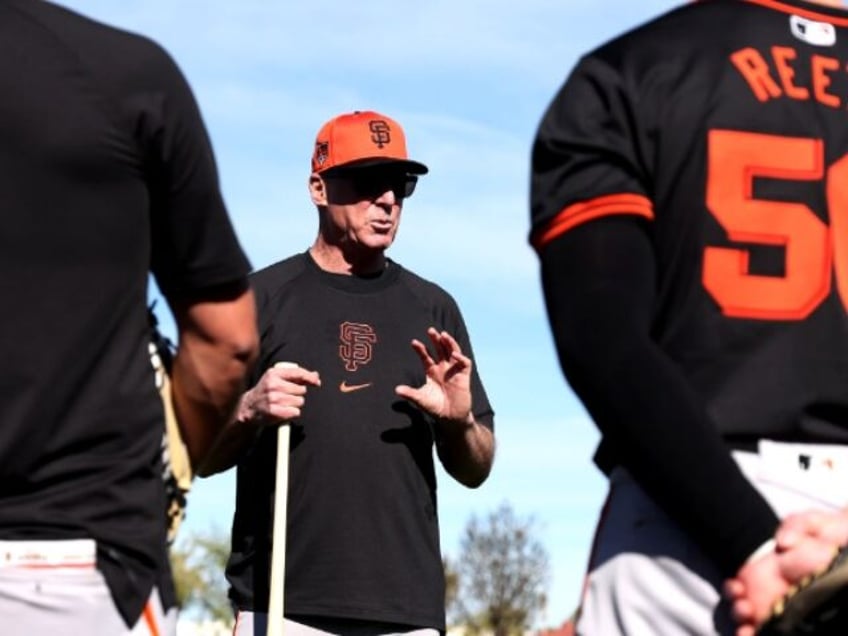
(363, 536)
(719, 131)
(724, 126)
(105, 174)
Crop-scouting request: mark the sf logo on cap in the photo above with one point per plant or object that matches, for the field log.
(379, 132)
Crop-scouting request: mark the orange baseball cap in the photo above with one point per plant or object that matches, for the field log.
(361, 139)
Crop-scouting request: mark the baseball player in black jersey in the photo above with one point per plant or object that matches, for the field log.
(689, 211)
(106, 174)
(367, 401)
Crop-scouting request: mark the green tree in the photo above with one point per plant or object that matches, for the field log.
(198, 564)
(502, 575)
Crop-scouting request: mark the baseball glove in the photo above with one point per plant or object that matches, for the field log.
(177, 474)
(817, 605)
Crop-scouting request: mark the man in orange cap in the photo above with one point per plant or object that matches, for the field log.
(366, 400)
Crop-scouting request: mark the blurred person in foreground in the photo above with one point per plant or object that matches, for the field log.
(688, 211)
(106, 175)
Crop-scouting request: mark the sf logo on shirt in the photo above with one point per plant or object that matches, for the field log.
(355, 350)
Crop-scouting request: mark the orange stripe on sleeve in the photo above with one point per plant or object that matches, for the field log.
(578, 213)
(150, 619)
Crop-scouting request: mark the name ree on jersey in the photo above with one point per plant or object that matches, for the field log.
(781, 71)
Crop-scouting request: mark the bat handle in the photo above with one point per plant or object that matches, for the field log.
(276, 600)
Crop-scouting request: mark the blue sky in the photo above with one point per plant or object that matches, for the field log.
(469, 80)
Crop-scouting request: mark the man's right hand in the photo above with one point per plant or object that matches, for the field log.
(278, 396)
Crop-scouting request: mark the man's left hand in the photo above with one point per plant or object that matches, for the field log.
(446, 393)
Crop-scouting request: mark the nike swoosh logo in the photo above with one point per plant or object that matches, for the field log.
(344, 387)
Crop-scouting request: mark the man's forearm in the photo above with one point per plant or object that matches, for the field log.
(218, 344)
(466, 450)
(229, 445)
(206, 389)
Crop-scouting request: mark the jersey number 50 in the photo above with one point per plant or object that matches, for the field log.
(813, 249)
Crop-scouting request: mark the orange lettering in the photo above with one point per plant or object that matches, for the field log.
(782, 55)
(837, 201)
(754, 69)
(735, 160)
(821, 66)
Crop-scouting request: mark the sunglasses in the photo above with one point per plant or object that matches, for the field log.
(370, 184)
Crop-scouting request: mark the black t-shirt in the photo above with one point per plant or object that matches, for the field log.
(720, 130)
(363, 536)
(106, 173)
